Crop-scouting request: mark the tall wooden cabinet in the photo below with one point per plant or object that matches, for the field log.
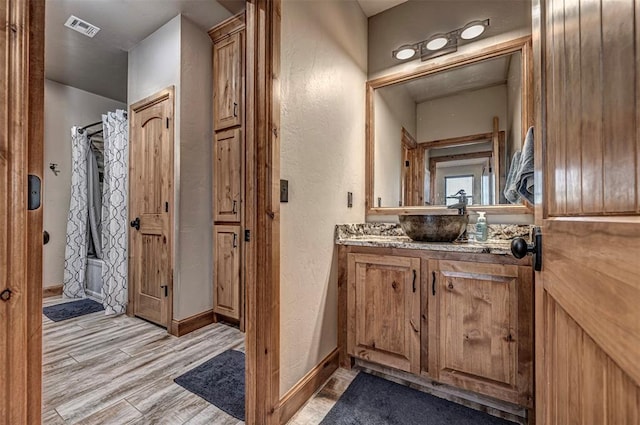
(228, 168)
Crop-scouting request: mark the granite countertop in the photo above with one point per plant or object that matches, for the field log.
(391, 235)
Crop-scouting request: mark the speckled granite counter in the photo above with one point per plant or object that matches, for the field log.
(391, 235)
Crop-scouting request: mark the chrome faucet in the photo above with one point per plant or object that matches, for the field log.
(461, 206)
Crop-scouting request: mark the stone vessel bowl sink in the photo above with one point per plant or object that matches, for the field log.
(434, 228)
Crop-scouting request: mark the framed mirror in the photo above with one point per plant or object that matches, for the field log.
(446, 127)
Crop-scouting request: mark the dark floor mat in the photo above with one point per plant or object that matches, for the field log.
(375, 401)
(72, 309)
(220, 381)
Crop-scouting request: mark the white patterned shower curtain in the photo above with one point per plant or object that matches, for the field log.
(75, 253)
(114, 212)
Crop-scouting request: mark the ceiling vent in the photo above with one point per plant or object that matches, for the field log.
(83, 27)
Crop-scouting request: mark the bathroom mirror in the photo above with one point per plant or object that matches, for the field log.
(448, 126)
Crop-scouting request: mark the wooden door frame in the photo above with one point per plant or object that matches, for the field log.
(537, 31)
(21, 153)
(167, 93)
(263, 216)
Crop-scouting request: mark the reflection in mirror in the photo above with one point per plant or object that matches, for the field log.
(451, 130)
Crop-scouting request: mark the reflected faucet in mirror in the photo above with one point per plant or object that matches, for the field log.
(461, 206)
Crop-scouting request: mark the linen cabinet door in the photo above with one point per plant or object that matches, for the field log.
(483, 324)
(226, 271)
(384, 310)
(228, 81)
(227, 176)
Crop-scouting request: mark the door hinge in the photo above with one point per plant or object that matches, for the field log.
(247, 235)
(166, 207)
(167, 122)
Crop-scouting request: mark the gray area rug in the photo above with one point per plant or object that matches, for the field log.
(72, 309)
(220, 381)
(370, 400)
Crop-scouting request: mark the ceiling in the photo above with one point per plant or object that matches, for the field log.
(373, 7)
(417, 20)
(476, 76)
(99, 64)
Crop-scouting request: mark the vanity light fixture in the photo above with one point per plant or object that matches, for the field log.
(441, 44)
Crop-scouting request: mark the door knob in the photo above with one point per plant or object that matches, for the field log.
(136, 223)
(520, 248)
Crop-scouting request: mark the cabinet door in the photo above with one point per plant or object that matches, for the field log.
(227, 181)
(384, 310)
(482, 339)
(226, 271)
(228, 90)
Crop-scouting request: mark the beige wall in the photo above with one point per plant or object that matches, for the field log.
(64, 107)
(514, 106)
(195, 241)
(179, 54)
(323, 74)
(462, 114)
(394, 109)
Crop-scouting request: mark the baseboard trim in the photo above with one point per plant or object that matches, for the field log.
(190, 324)
(297, 396)
(51, 291)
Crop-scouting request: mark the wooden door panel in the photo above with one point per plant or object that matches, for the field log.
(228, 176)
(591, 88)
(227, 271)
(587, 295)
(578, 363)
(227, 83)
(384, 310)
(151, 173)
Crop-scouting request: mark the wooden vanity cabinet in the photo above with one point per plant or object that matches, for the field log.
(384, 310)
(465, 320)
(482, 324)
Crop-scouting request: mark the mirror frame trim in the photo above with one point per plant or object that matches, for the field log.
(521, 44)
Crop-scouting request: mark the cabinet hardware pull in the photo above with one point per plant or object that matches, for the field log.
(166, 290)
(235, 240)
(235, 109)
(234, 208)
(433, 283)
(414, 280)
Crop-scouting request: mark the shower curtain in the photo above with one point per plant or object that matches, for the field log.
(75, 253)
(114, 212)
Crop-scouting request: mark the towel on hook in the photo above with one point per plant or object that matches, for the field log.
(520, 181)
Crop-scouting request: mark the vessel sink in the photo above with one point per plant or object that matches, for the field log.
(434, 228)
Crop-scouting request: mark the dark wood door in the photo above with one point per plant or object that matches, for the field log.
(588, 153)
(150, 200)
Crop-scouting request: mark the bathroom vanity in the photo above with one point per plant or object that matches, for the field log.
(446, 313)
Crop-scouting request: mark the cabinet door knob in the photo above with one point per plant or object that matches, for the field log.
(235, 109)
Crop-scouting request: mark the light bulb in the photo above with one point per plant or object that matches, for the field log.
(437, 43)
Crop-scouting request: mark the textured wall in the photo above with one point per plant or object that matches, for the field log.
(462, 114)
(64, 107)
(514, 106)
(195, 252)
(323, 74)
(394, 109)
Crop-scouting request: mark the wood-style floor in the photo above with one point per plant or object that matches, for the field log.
(103, 370)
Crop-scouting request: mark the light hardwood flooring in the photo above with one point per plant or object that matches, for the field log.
(323, 400)
(103, 370)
